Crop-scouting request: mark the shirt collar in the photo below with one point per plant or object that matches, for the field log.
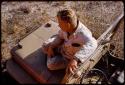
(78, 27)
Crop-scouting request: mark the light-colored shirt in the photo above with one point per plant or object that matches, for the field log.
(86, 43)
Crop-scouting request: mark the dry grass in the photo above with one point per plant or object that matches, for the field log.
(19, 18)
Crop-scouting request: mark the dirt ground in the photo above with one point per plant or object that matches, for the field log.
(19, 18)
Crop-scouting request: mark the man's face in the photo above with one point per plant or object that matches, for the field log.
(65, 26)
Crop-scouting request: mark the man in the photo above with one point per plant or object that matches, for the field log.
(73, 44)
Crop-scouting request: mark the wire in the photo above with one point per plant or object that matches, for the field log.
(94, 70)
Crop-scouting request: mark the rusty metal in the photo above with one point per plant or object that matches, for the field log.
(26, 66)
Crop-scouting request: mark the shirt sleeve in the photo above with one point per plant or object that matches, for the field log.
(86, 50)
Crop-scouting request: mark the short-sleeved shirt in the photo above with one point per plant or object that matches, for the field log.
(81, 44)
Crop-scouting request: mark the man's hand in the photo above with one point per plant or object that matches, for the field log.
(50, 52)
(48, 49)
(72, 66)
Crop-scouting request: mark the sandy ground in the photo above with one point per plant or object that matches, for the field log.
(19, 18)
